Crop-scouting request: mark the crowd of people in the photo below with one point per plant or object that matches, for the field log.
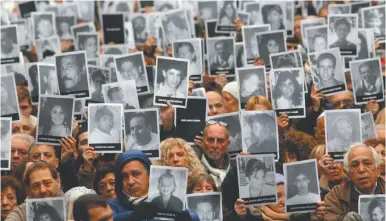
(97, 186)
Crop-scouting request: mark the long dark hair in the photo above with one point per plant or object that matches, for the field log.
(47, 114)
(297, 95)
(223, 13)
(44, 208)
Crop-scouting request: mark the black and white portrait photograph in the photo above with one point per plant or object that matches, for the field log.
(227, 14)
(252, 82)
(9, 44)
(338, 9)
(63, 26)
(260, 132)
(251, 49)
(253, 8)
(165, 6)
(274, 14)
(366, 77)
(191, 120)
(343, 128)
(287, 59)
(234, 130)
(207, 10)
(372, 207)
(113, 28)
(343, 33)
(98, 77)
(79, 108)
(5, 133)
(48, 80)
(257, 179)
(175, 25)
(53, 208)
(221, 56)
(171, 81)
(290, 18)
(302, 191)
(46, 49)
(327, 71)
(86, 10)
(23, 33)
(121, 92)
(54, 118)
(316, 38)
(142, 131)
(83, 27)
(9, 102)
(146, 100)
(140, 29)
(240, 56)
(105, 127)
(287, 92)
(270, 42)
(307, 23)
(244, 17)
(207, 206)
(71, 68)
(26, 8)
(192, 50)
(167, 189)
(132, 67)
(374, 18)
(89, 42)
(44, 24)
(33, 81)
(368, 126)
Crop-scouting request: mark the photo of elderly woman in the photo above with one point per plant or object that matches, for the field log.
(274, 15)
(259, 132)
(374, 18)
(372, 207)
(54, 118)
(287, 92)
(270, 42)
(252, 82)
(227, 16)
(343, 128)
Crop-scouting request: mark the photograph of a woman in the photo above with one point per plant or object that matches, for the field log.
(54, 118)
(270, 43)
(227, 17)
(376, 210)
(259, 132)
(287, 92)
(252, 83)
(343, 129)
(273, 15)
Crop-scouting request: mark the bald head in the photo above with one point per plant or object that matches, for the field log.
(216, 103)
(342, 100)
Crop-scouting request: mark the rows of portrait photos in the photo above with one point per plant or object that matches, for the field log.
(91, 63)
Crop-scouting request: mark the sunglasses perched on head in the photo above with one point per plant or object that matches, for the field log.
(212, 122)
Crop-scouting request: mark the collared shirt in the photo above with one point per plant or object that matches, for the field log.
(165, 91)
(153, 144)
(309, 198)
(97, 136)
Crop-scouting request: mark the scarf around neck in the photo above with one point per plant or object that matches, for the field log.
(134, 200)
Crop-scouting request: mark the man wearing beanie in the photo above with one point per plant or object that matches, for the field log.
(132, 172)
(230, 95)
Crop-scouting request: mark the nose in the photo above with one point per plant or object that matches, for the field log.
(16, 155)
(4, 202)
(42, 189)
(109, 187)
(131, 180)
(361, 168)
(42, 157)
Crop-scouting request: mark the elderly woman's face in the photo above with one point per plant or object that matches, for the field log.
(177, 157)
(272, 46)
(8, 201)
(377, 214)
(287, 87)
(344, 129)
(57, 115)
(231, 103)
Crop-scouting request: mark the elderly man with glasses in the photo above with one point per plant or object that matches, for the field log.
(360, 163)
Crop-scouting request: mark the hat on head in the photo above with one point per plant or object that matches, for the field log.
(76, 192)
(231, 88)
(279, 179)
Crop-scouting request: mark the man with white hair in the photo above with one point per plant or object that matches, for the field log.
(360, 163)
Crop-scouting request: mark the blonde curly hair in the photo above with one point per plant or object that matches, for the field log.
(194, 165)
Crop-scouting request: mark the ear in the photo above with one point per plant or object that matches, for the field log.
(59, 182)
(56, 162)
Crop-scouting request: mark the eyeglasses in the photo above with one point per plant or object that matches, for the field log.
(213, 122)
